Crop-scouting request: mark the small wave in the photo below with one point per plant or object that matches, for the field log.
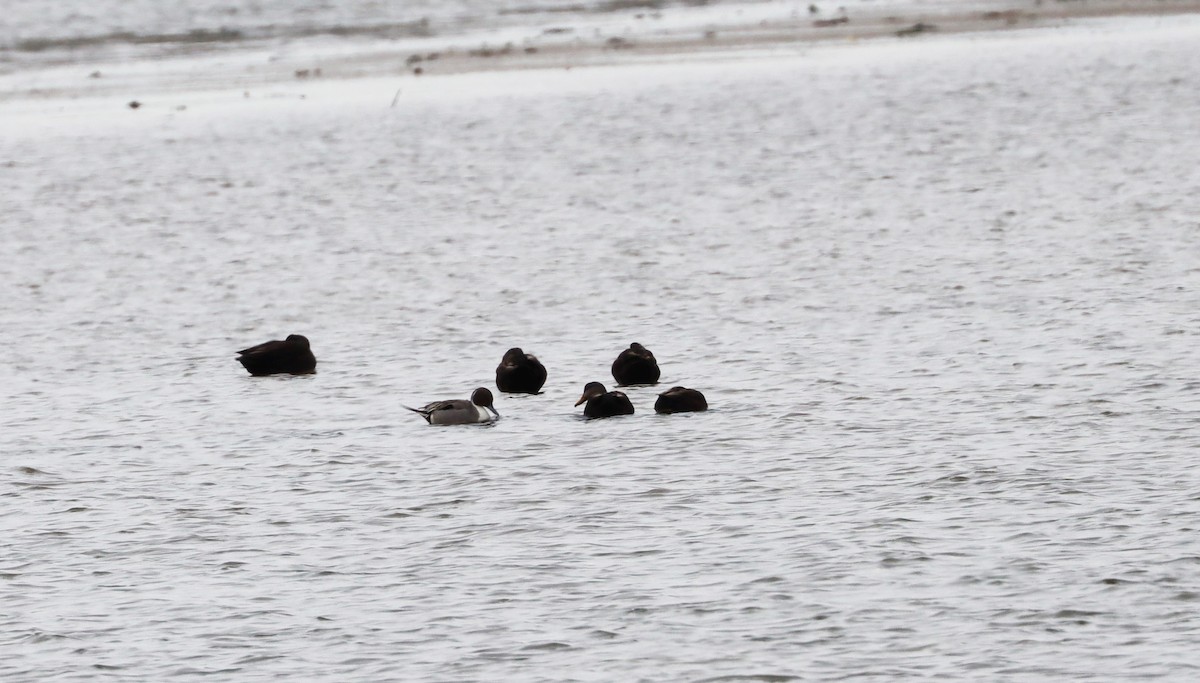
(128, 38)
(766, 678)
(420, 28)
(604, 7)
(38, 636)
(548, 646)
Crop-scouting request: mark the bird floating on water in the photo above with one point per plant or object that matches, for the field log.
(292, 356)
(635, 365)
(460, 411)
(604, 403)
(680, 400)
(520, 373)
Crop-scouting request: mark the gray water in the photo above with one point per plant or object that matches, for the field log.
(942, 298)
(35, 34)
(36, 22)
(54, 30)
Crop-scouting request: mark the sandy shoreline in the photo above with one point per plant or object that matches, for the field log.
(637, 37)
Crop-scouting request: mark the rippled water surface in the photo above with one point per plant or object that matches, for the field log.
(31, 24)
(942, 297)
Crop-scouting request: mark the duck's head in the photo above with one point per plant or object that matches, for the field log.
(641, 350)
(298, 340)
(513, 355)
(591, 390)
(483, 398)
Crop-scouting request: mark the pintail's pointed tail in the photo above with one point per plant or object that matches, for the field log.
(418, 411)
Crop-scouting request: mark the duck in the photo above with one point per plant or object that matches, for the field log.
(460, 411)
(291, 356)
(604, 403)
(680, 400)
(635, 365)
(520, 373)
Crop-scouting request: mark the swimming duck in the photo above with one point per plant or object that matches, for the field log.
(292, 355)
(520, 373)
(604, 403)
(460, 411)
(635, 365)
(680, 400)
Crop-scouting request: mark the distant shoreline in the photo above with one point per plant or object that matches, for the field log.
(863, 24)
(632, 37)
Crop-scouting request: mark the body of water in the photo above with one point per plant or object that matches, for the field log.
(942, 297)
(36, 34)
(58, 31)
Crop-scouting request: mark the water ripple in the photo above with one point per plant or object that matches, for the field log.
(947, 348)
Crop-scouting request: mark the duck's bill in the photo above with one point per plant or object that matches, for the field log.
(582, 399)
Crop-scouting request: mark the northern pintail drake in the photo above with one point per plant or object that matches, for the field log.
(520, 373)
(635, 365)
(460, 411)
(680, 400)
(292, 355)
(604, 403)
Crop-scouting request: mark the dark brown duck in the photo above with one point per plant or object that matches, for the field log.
(291, 356)
(520, 373)
(635, 365)
(680, 400)
(604, 403)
